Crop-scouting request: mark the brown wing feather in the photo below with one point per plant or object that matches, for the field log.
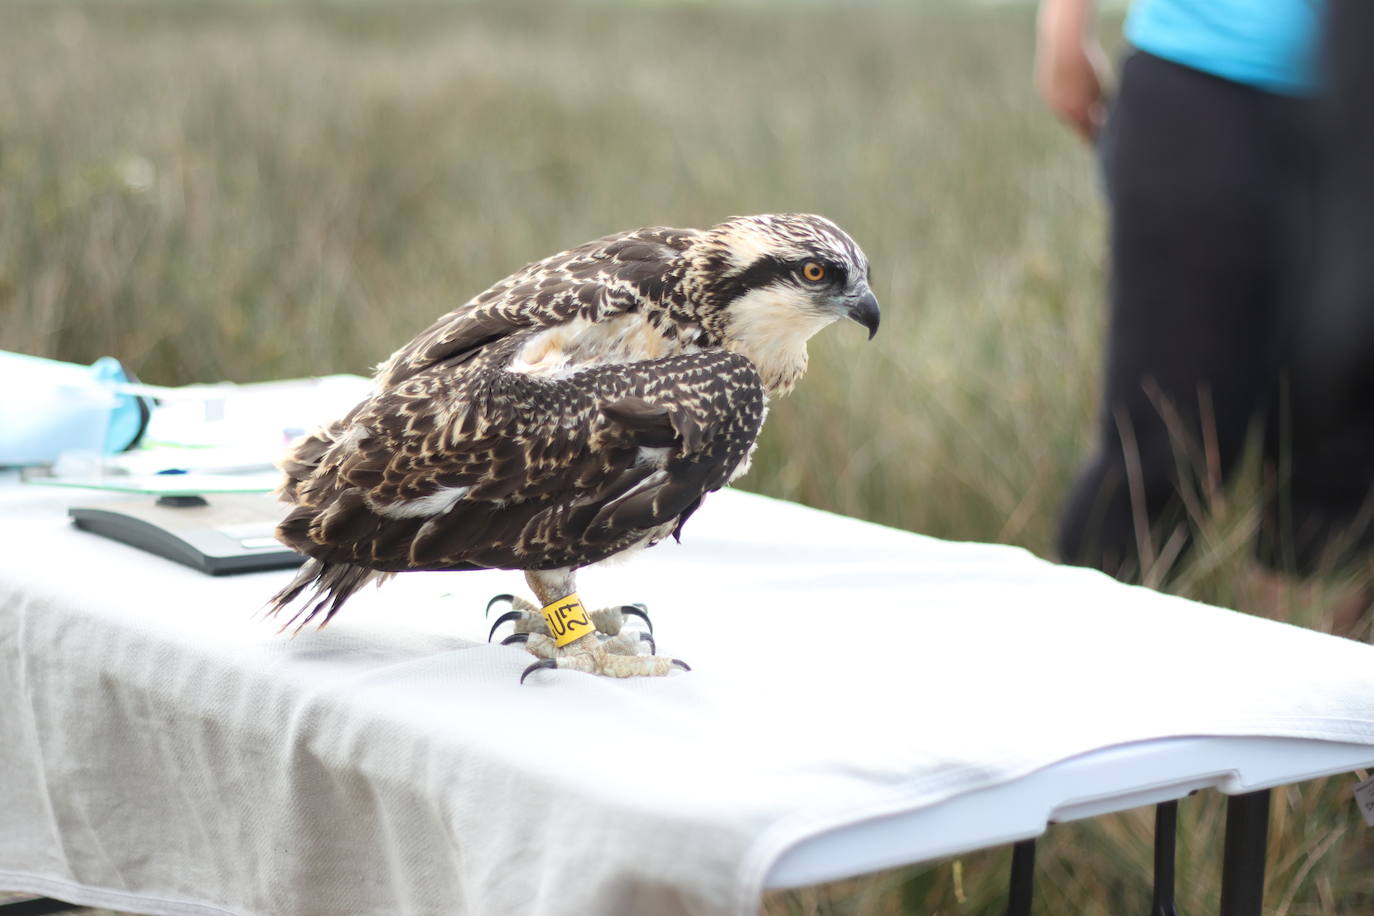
(551, 471)
(597, 280)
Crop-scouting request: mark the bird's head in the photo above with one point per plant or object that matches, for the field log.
(766, 284)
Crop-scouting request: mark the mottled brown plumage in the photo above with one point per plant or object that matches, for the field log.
(579, 408)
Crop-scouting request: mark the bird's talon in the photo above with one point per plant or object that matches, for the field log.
(681, 664)
(509, 599)
(640, 611)
(649, 638)
(514, 638)
(509, 615)
(542, 663)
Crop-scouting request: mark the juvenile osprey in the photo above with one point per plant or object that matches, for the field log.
(580, 408)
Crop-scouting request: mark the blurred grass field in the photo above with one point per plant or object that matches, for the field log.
(252, 190)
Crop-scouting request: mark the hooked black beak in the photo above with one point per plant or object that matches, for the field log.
(865, 312)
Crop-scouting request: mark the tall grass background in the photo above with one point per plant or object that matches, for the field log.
(248, 191)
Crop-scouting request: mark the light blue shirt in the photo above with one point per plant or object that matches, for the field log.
(1269, 44)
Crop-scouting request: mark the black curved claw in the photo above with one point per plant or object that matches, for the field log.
(509, 599)
(681, 664)
(509, 615)
(640, 611)
(649, 638)
(542, 663)
(514, 638)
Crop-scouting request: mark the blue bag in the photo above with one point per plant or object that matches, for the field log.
(50, 407)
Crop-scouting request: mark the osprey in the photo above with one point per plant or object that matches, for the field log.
(579, 409)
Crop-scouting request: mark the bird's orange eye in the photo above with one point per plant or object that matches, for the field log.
(813, 272)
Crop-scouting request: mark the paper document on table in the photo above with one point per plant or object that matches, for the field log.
(178, 484)
(223, 438)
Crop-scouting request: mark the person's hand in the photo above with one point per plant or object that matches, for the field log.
(1071, 70)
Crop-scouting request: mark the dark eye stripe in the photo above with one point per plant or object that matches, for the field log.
(768, 269)
(760, 273)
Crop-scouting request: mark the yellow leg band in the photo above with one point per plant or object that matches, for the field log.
(567, 620)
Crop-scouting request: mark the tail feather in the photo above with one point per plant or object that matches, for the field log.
(331, 584)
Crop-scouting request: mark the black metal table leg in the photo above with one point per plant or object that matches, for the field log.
(1166, 833)
(37, 906)
(1242, 869)
(1022, 878)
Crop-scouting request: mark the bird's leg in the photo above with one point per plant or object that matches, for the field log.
(565, 619)
(564, 635)
(526, 617)
(563, 624)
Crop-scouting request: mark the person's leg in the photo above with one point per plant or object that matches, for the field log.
(1325, 518)
(1190, 347)
(1320, 516)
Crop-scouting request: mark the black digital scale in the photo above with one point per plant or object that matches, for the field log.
(219, 534)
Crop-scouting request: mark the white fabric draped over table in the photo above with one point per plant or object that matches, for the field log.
(164, 750)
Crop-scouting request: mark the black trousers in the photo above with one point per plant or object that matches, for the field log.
(1214, 191)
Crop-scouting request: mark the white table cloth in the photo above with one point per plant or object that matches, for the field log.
(164, 750)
